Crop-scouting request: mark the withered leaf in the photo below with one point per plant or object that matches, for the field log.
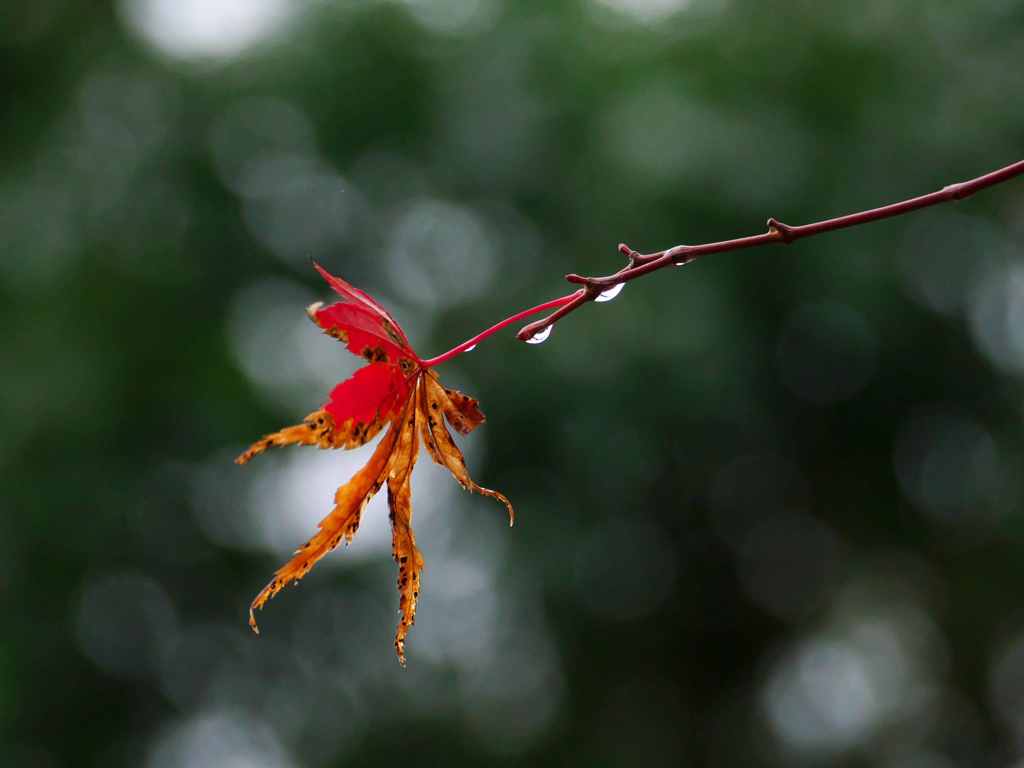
(395, 389)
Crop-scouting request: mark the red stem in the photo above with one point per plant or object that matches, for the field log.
(454, 351)
(642, 264)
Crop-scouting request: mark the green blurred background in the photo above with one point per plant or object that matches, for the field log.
(769, 504)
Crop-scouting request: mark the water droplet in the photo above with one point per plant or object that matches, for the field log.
(611, 293)
(541, 336)
(470, 348)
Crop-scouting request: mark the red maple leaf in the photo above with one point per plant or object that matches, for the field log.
(395, 388)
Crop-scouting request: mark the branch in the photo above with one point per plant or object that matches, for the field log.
(641, 264)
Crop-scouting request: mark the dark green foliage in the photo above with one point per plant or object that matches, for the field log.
(768, 505)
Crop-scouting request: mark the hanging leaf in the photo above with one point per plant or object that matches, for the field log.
(394, 389)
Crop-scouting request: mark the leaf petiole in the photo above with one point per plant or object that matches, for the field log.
(458, 350)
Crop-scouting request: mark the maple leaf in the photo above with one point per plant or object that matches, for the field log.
(395, 388)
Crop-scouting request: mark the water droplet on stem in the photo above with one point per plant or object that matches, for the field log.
(470, 348)
(540, 336)
(611, 293)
